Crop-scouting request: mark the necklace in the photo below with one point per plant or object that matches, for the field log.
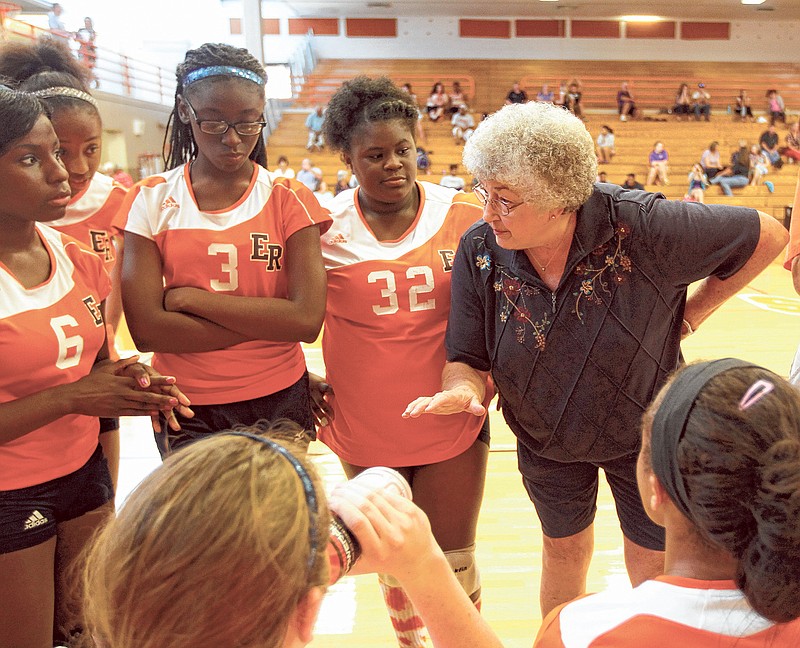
(543, 267)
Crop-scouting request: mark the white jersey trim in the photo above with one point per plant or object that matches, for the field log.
(92, 200)
(349, 240)
(17, 299)
(722, 612)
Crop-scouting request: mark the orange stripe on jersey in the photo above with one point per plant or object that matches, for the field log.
(383, 341)
(59, 326)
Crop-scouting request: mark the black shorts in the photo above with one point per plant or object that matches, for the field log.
(293, 403)
(28, 516)
(565, 496)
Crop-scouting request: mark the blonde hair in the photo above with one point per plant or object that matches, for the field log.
(540, 151)
(214, 548)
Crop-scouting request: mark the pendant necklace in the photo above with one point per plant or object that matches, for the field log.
(553, 255)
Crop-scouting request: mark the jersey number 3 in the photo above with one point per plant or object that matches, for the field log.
(414, 292)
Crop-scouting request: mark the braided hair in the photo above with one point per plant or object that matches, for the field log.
(179, 144)
(363, 100)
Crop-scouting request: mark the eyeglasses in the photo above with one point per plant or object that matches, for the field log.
(220, 127)
(503, 206)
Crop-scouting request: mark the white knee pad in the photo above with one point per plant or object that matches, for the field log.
(462, 562)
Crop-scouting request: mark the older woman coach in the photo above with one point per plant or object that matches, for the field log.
(574, 296)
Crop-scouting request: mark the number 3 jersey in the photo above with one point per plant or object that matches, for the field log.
(50, 335)
(383, 341)
(236, 251)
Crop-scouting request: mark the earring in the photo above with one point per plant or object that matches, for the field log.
(552, 217)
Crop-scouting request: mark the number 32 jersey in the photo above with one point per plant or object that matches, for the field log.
(383, 341)
(236, 251)
(50, 335)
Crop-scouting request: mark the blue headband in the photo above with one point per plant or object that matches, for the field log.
(308, 489)
(669, 424)
(221, 70)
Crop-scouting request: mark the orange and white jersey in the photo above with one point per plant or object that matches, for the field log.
(49, 336)
(94, 217)
(235, 251)
(383, 341)
(662, 613)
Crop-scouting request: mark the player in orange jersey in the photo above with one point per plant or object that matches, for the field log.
(388, 256)
(49, 69)
(222, 274)
(56, 379)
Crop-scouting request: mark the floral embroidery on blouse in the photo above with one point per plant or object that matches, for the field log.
(515, 298)
(609, 259)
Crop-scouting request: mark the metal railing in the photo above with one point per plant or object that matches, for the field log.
(111, 71)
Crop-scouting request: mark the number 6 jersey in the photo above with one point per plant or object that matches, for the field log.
(235, 251)
(383, 341)
(50, 335)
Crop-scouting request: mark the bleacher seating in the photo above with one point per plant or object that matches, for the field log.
(685, 141)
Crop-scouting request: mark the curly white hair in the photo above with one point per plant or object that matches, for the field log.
(540, 151)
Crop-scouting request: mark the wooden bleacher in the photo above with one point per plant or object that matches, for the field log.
(685, 141)
(486, 83)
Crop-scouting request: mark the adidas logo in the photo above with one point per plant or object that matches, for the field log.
(36, 519)
(169, 202)
(335, 240)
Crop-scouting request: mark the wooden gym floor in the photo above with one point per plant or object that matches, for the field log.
(760, 324)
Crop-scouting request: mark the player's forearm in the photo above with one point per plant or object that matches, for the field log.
(168, 332)
(262, 318)
(450, 617)
(29, 413)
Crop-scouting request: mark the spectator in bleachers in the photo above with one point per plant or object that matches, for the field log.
(438, 102)
(605, 145)
(322, 194)
(683, 103)
(562, 94)
(698, 181)
(759, 166)
(743, 108)
(314, 123)
(701, 105)
(573, 99)
(516, 95)
(341, 182)
(792, 148)
(775, 107)
(452, 179)
(711, 163)
(545, 94)
(283, 170)
(421, 137)
(769, 143)
(632, 183)
(423, 160)
(602, 176)
(307, 176)
(55, 24)
(740, 171)
(463, 124)
(658, 159)
(626, 104)
(457, 98)
(87, 50)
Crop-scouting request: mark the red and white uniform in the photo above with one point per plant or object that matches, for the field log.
(662, 613)
(235, 251)
(383, 341)
(50, 335)
(94, 217)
